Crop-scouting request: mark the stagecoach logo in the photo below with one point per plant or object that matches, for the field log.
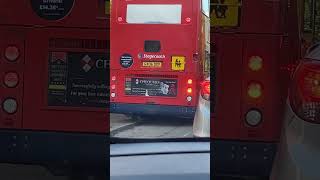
(87, 63)
(151, 56)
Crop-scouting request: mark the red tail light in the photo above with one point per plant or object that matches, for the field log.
(205, 90)
(189, 90)
(305, 91)
(12, 53)
(11, 79)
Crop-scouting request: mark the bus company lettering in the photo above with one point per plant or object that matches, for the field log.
(151, 56)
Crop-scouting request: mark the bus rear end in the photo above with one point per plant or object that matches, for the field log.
(54, 84)
(154, 57)
(251, 62)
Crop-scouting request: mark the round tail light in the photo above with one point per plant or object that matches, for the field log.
(189, 98)
(113, 95)
(189, 90)
(255, 63)
(255, 90)
(11, 79)
(253, 117)
(12, 53)
(10, 106)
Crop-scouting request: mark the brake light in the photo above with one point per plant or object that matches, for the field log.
(11, 79)
(304, 93)
(189, 81)
(205, 90)
(12, 53)
(113, 78)
(255, 63)
(254, 90)
(189, 90)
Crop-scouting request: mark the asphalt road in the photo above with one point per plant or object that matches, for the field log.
(150, 127)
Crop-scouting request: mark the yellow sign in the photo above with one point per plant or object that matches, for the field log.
(152, 64)
(177, 63)
(225, 13)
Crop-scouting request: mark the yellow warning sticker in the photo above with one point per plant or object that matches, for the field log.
(178, 63)
(225, 13)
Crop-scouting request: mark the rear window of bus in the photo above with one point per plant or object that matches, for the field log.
(154, 14)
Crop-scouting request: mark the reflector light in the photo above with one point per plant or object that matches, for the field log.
(255, 90)
(113, 86)
(253, 118)
(305, 91)
(113, 78)
(255, 63)
(189, 90)
(10, 106)
(12, 53)
(189, 98)
(11, 79)
(189, 81)
(113, 95)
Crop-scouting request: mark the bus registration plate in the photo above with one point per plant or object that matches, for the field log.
(152, 64)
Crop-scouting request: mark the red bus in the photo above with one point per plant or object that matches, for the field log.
(54, 82)
(256, 44)
(158, 56)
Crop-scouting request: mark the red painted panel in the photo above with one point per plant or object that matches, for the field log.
(227, 122)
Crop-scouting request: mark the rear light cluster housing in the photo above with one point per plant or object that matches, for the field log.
(10, 80)
(304, 93)
(189, 90)
(113, 86)
(253, 116)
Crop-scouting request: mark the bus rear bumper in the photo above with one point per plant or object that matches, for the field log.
(161, 110)
(58, 151)
(245, 159)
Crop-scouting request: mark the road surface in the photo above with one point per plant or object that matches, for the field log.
(149, 127)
